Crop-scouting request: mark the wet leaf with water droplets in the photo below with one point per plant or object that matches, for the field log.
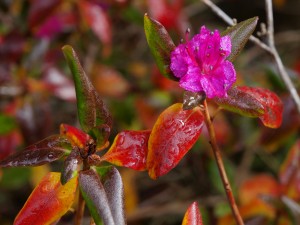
(48, 150)
(192, 215)
(76, 136)
(129, 149)
(48, 201)
(173, 135)
(241, 102)
(92, 111)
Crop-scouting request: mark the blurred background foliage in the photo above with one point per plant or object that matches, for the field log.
(37, 94)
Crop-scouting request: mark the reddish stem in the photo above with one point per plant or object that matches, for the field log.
(221, 168)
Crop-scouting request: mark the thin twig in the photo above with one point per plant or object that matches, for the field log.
(270, 49)
(80, 210)
(221, 168)
(270, 23)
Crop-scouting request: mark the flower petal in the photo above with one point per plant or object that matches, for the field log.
(191, 81)
(179, 61)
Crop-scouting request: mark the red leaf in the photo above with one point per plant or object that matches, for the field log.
(56, 24)
(258, 186)
(169, 13)
(273, 106)
(39, 10)
(9, 143)
(173, 135)
(192, 215)
(48, 201)
(75, 136)
(129, 150)
(97, 19)
(59, 84)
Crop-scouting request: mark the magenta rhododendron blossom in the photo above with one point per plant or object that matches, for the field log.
(201, 64)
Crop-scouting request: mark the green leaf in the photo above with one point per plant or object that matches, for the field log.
(161, 45)
(8, 124)
(239, 34)
(242, 102)
(92, 111)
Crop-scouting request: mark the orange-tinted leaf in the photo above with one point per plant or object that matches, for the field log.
(44, 151)
(75, 136)
(273, 106)
(192, 215)
(48, 201)
(129, 149)
(109, 82)
(173, 135)
(253, 209)
(257, 187)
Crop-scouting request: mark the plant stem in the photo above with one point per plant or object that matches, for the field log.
(80, 210)
(221, 168)
(81, 202)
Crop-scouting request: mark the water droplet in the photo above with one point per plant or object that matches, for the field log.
(45, 188)
(221, 49)
(181, 123)
(50, 155)
(121, 139)
(181, 40)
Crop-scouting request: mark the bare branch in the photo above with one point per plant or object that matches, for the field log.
(268, 48)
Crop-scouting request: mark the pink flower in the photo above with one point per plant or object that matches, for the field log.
(201, 64)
